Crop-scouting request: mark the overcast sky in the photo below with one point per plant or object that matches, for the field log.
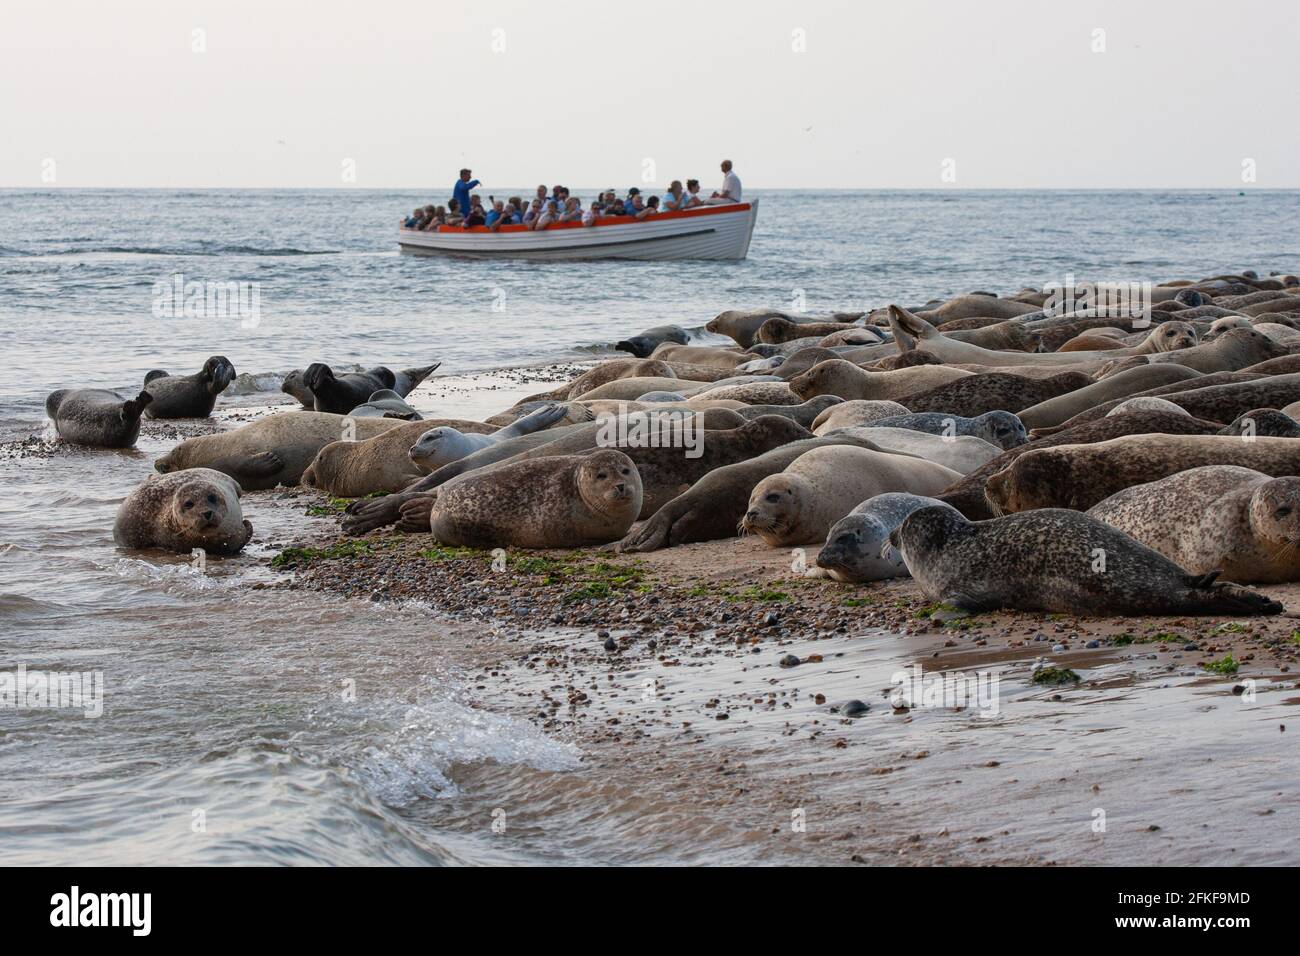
(594, 92)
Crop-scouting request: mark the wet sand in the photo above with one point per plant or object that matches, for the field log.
(671, 673)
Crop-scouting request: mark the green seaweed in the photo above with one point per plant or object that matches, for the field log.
(340, 549)
(1053, 676)
(1226, 665)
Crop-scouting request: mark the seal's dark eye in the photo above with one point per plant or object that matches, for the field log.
(1283, 511)
(212, 499)
(773, 498)
(188, 505)
(601, 476)
(625, 471)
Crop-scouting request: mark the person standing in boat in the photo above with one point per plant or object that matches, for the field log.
(460, 191)
(730, 191)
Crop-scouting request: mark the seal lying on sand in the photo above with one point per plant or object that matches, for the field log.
(667, 468)
(386, 403)
(1002, 429)
(857, 548)
(351, 469)
(441, 445)
(962, 453)
(1217, 518)
(1056, 410)
(644, 344)
(743, 325)
(993, 391)
(1233, 350)
(188, 396)
(856, 412)
(1220, 403)
(968, 495)
(570, 501)
(341, 393)
(1263, 421)
(1079, 476)
(851, 383)
(195, 508)
(1056, 561)
(799, 505)
(96, 416)
(403, 383)
(714, 505)
(272, 451)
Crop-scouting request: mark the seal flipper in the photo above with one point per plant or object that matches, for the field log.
(409, 379)
(153, 374)
(416, 513)
(134, 408)
(251, 471)
(543, 418)
(1208, 597)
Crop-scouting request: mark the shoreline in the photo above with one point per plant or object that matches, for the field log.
(673, 659)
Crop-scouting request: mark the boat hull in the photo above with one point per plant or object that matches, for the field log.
(710, 232)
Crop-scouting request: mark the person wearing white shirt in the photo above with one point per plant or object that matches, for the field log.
(730, 191)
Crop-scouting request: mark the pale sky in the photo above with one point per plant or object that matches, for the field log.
(814, 94)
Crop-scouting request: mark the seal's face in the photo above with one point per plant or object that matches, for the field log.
(773, 509)
(1171, 336)
(218, 372)
(1028, 482)
(428, 448)
(1275, 516)
(609, 483)
(198, 507)
(167, 463)
(1220, 326)
(813, 382)
(1002, 429)
(857, 550)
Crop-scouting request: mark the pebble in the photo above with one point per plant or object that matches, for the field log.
(854, 708)
(790, 661)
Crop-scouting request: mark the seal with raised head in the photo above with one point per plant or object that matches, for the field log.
(194, 508)
(857, 548)
(1217, 518)
(272, 451)
(799, 505)
(351, 469)
(341, 393)
(96, 416)
(404, 382)
(569, 501)
(842, 378)
(1002, 429)
(1079, 476)
(1056, 561)
(441, 445)
(188, 396)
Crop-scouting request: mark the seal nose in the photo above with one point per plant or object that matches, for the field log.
(209, 515)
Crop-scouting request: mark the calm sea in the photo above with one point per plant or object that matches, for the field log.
(224, 737)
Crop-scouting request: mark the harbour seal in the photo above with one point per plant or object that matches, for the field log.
(857, 412)
(981, 306)
(634, 386)
(804, 414)
(644, 344)
(799, 505)
(1061, 408)
(913, 332)
(701, 355)
(1002, 429)
(386, 403)
(1147, 403)
(1217, 518)
(1220, 403)
(1006, 336)
(188, 396)
(96, 416)
(804, 359)
(961, 453)
(194, 508)
(857, 548)
(715, 505)
(339, 394)
(1233, 350)
(850, 383)
(754, 393)
(1056, 561)
(778, 330)
(440, 445)
(570, 501)
(1079, 476)
(968, 495)
(742, 325)
(404, 382)
(1263, 421)
(271, 451)
(993, 391)
(351, 469)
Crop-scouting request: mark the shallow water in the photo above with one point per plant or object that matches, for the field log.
(230, 732)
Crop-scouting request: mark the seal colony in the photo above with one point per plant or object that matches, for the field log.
(1004, 452)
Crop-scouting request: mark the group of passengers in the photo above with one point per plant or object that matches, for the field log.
(556, 205)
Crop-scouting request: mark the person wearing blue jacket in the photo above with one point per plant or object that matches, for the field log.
(460, 191)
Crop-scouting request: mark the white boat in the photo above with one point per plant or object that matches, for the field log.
(705, 232)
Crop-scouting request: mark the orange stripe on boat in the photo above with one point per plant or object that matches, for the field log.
(699, 212)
